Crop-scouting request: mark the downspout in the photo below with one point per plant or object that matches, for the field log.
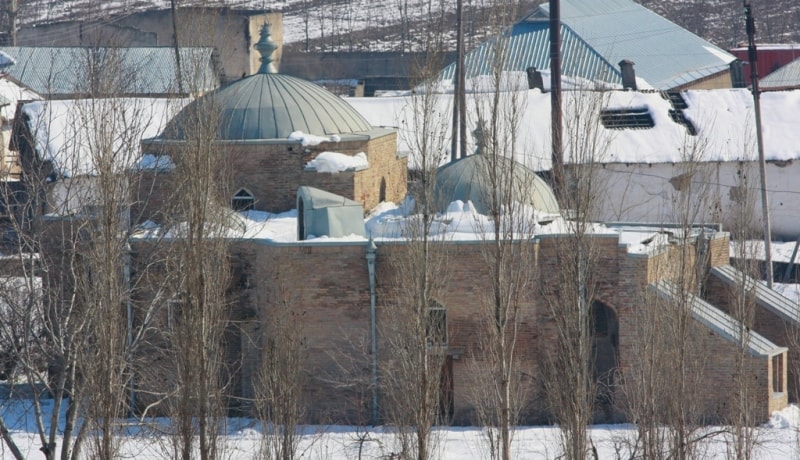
(129, 314)
(373, 329)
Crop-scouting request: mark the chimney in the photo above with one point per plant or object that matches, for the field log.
(534, 79)
(737, 74)
(628, 74)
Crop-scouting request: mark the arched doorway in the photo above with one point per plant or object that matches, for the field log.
(605, 358)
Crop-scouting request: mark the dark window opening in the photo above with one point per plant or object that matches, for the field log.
(676, 99)
(382, 192)
(634, 118)
(436, 328)
(777, 374)
(679, 118)
(243, 201)
(599, 319)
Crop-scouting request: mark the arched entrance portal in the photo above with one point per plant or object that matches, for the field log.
(605, 344)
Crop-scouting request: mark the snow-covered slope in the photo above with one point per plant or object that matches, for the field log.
(395, 24)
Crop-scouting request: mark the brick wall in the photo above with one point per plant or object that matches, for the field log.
(272, 172)
(326, 287)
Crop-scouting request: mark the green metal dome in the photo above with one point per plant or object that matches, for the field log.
(267, 105)
(270, 106)
(466, 179)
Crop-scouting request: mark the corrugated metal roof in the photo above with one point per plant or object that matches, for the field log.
(597, 34)
(666, 55)
(527, 44)
(717, 320)
(67, 71)
(787, 76)
(272, 106)
(764, 296)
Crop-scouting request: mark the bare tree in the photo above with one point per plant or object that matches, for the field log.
(664, 382)
(413, 322)
(507, 252)
(282, 375)
(570, 287)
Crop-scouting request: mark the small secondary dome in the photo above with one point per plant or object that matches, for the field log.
(466, 180)
(268, 105)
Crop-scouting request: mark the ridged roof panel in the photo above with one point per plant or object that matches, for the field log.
(787, 76)
(134, 71)
(528, 45)
(272, 106)
(666, 55)
(596, 35)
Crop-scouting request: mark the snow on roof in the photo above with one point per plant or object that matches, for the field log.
(73, 133)
(461, 222)
(335, 162)
(14, 92)
(723, 120)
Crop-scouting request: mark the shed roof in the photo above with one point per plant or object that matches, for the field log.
(767, 298)
(597, 34)
(67, 71)
(787, 76)
(718, 321)
(322, 213)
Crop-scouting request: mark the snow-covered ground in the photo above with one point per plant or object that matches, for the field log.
(777, 439)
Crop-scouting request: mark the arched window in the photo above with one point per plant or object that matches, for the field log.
(382, 192)
(605, 343)
(243, 200)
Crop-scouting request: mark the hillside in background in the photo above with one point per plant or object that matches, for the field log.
(399, 25)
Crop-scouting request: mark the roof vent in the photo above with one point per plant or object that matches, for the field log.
(534, 79)
(628, 74)
(634, 118)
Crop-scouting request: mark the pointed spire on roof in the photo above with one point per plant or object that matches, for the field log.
(266, 47)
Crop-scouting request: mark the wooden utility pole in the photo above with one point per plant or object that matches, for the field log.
(11, 9)
(762, 164)
(459, 99)
(177, 48)
(555, 98)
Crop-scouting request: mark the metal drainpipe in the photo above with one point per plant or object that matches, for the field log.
(129, 314)
(373, 329)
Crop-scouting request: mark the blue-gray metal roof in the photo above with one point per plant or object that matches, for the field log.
(271, 106)
(666, 55)
(67, 71)
(596, 35)
(717, 320)
(787, 76)
(527, 44)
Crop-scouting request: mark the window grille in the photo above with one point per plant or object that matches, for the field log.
(243, 201)
(633, 118)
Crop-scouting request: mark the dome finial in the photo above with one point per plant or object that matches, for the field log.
(266, 47)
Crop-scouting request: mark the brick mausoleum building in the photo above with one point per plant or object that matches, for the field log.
(334, 284)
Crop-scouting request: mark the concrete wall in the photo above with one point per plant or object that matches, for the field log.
(652, 193)
(379, 71)
(231, 32)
